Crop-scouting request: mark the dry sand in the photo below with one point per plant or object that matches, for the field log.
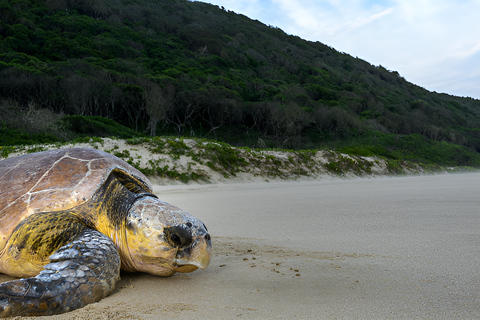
(385, 248)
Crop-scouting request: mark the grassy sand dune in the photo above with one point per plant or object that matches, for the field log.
(167, 160)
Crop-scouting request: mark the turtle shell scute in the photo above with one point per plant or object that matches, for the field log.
(53, 181)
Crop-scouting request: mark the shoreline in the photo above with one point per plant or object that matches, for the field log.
(388, 248)
(382, 248)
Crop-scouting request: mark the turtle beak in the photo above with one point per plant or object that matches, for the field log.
(195, 256)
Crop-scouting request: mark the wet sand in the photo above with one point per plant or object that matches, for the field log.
(385, 248)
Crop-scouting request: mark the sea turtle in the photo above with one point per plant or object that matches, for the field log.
(71, 218)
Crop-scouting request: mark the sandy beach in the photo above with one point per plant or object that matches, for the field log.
(380, 248)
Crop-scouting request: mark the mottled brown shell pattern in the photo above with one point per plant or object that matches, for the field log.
(52, 181)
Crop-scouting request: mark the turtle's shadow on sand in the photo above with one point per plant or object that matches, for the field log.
(5, 278)
(128, 280)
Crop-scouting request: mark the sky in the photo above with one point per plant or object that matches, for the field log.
(432, 43)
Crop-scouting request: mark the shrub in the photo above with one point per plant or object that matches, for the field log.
(98, 126)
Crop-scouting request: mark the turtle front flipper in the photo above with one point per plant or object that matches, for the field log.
(80, 272)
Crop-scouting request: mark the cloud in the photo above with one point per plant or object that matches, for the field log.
(432, 43)
(361, 21)
(329, 17)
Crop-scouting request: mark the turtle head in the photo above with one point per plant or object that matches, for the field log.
(162, 239)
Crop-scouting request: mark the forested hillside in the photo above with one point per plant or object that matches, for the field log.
(194, 69)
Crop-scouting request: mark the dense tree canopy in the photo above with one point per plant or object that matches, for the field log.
(197, 69)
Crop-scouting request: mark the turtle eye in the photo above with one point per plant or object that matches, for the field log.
(131, 227)
(178, 236)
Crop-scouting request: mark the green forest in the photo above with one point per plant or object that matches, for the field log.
(126, 68)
